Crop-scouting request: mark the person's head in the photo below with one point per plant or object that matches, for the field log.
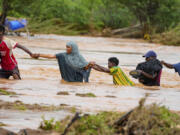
(2, 31)
(71, 47)
(150, 55)
(113, 61)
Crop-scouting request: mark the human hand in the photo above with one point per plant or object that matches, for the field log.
(91, 63)
(162, 62)
(140, 71)
(35, 55)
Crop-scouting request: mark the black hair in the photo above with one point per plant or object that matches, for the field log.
(2, 28)
(114, 60)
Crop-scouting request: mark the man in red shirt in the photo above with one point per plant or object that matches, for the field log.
(8, 62)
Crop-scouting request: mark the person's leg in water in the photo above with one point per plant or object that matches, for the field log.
(16, 74)
(6, 74)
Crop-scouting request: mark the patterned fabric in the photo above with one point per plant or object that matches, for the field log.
(8, 61)
(119, 77)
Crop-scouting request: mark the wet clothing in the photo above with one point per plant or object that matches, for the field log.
(151, 67)
(177, 67)
(75, 59)
(68, 73)
(119, 77)
(8, 61)
(86, 74)
(7, 73)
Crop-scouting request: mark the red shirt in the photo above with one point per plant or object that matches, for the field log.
(8, 61)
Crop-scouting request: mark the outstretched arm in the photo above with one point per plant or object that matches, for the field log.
(100, 68)
(24, 49)
(167, 64)
(49, 56)
(35, 55)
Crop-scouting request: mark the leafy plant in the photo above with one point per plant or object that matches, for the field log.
(47, 124)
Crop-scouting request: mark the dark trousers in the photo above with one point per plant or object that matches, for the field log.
(7, 73)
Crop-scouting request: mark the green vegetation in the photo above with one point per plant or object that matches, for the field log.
(71, 17)
(151, 119)
(63, 93)
(85, 95)
(47, 124)
(73, 109)
(20, 107)
(86, 125)
(51, 124)
(101, 123)
(5, 92)
(99, 17)
(2, 124)
(109, 96)
(155, 15)
(170, 37)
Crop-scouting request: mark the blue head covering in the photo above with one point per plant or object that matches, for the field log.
(150, 54)
(75, 59)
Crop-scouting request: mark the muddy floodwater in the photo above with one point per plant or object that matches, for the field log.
(41, 80)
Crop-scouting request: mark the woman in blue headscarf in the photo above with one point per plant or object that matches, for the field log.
(73, 57)
(72, 65)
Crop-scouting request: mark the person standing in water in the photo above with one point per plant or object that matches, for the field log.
(72, 65)
(176, 66)
(148, 72)
(119, 77)
(9, 66)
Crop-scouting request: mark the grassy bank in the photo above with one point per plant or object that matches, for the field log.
(143, 120)
(57, 26)
(170, 37)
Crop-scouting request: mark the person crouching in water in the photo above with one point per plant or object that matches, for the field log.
(148, 72)
(119, 77)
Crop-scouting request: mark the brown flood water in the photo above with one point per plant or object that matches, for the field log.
(42, 81)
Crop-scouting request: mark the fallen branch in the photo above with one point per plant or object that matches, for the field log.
(76, 117)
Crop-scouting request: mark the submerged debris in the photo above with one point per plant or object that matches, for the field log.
(63, 93)
(18, 105)
(85, 95)
(5, 92)
(2, 124)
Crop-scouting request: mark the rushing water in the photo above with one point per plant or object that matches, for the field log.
(42, 81)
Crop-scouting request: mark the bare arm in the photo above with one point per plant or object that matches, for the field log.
(49, 56)
(148, 75)
(24, 49)
(100, 68)
(167, 65)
